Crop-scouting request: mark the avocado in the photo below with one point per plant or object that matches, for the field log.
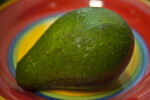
(84, 49)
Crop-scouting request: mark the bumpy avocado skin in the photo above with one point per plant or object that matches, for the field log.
(83, 49)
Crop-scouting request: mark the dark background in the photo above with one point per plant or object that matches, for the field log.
(2, 1)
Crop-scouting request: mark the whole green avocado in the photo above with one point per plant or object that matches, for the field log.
(84, 49)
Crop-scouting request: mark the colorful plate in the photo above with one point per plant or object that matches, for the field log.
(23, 22)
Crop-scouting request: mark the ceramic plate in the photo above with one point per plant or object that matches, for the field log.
(22, 22)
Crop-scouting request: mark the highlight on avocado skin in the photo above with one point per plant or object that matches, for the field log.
(84, 49)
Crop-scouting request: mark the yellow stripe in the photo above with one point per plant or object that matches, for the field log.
(6, 4)
(145, 1)
(2, 98)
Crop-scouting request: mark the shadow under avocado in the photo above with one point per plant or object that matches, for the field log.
(115, 85)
